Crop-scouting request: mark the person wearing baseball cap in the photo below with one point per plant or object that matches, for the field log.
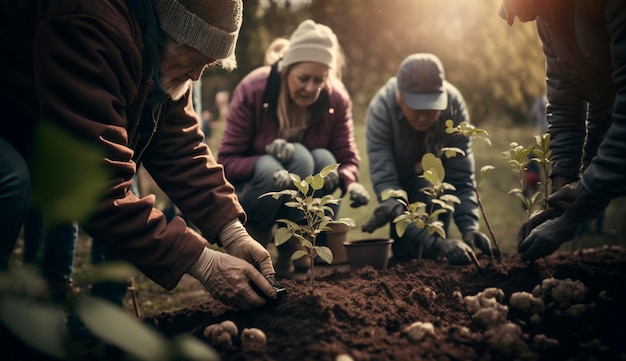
(114, 78)
(292, 116)
(406, 119)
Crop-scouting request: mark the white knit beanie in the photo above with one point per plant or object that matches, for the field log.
(311, 42)
(210, 26)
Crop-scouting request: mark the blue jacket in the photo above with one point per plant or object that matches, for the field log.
(394, 149)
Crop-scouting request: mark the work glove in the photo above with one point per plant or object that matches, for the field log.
(331, 181)
(281, 150)
(549, 235)
(228, 279)
(282, 180)
(237, 242)
(358, 195)
(477, 239)
(384, 213)
(456, 251)
(559, 182)
(559, 201)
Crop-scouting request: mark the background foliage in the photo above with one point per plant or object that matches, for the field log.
(496, 67)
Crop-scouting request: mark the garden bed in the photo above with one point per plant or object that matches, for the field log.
(365, 313)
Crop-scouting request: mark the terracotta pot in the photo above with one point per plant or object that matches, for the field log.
(335, 240)
(374, 252)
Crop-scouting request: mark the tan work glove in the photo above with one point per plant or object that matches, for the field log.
(228, 279)
(237, 242)
(280, 149)
(359, 196)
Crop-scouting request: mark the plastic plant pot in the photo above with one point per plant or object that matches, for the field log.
(374, 252)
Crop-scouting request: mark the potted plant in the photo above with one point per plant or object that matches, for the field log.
(318, 216)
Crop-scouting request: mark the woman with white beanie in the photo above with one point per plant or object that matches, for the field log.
(292, 116)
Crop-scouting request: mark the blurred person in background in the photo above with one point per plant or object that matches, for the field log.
(584, 43)
(293, 116)
(406, 119)
(117, 75)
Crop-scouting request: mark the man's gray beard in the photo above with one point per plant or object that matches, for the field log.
(176, 92)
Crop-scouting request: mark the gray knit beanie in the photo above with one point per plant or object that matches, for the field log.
(312, 42)
(210, 26)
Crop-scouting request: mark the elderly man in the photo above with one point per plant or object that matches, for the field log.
(116, 75)
(405, 120)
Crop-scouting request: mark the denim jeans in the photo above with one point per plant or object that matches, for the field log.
(262, 213)
(50, 248)
(14, 199)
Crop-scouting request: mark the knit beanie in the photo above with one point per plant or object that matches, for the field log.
(312, 42)
(210, 26)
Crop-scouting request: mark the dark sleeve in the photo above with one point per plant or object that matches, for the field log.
(605, 177)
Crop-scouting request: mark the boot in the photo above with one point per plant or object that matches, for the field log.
(283, 266)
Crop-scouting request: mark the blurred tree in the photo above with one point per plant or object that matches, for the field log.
(497, 68)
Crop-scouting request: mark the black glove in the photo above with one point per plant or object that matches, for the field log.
(479, 240)
(331, 181)
(534, 221)
(455, 250)
(548, 237)
(564, 197)
(384, 213)
(281, 150)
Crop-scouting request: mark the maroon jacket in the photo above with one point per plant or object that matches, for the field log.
(78, 64)
(253, 124)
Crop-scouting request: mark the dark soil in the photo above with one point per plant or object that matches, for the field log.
(364, 313)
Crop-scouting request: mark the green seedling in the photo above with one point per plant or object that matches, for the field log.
(519, 157)
(317, 216)
(416, 212)
(473, 133)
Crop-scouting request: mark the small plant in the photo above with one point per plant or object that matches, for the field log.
(473, 133)
(317, 216)
(416, 212)
(519, 157)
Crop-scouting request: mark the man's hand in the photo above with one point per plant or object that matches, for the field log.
(548, 237)
(455, 250)
(237, 242)
(384, 213)
(228, 279)
(534, 221)
(281, 150)
(358, 195)
(282, 180)
(331, 181)
(479, 240)
(564, 197)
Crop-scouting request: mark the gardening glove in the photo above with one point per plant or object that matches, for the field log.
(282, 180)
(455, 250)
(331, 181)
(358, 195)
(535, 220)
(384, 213)
(477, 239)
(559, 182)
(281, 150)
(228, 279)
(562, 199)
(237, 242)
(548, 236)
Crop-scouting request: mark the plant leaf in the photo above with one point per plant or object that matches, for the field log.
(324, 253)
(37, 325)
(299, 254)
(113, 325)
(282, 235)
(191, 348)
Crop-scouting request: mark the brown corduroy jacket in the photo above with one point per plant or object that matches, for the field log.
(78, 64)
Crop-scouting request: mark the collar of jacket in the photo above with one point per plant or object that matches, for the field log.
(272, 90)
